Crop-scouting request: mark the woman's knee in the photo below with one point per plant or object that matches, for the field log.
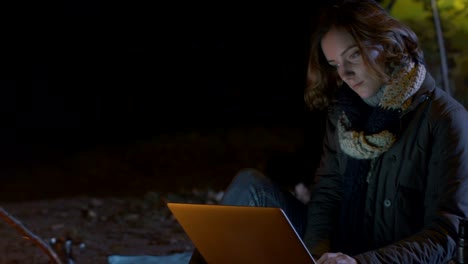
(250, 176)
(245, 184)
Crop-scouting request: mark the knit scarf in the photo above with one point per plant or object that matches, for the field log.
(364, 133)
(378, 134)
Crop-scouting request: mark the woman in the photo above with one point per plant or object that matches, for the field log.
(392, 182)
(393, 177)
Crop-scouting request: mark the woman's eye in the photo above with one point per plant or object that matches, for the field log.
(355, 55)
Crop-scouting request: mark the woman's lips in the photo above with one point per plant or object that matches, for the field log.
(357, 85)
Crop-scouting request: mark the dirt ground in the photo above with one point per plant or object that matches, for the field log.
(96, 227)
(111, 200)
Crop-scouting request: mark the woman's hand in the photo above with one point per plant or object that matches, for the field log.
(336, 258)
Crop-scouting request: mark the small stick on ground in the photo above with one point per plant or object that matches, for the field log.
(27, 234)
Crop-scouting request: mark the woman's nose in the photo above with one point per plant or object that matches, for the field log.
(345, 71)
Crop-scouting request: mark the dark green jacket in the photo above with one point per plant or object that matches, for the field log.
(417, 191)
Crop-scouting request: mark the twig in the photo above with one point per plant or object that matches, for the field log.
(390, 5)
(27, 234)
(440, 40)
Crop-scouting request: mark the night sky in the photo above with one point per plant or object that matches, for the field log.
(91, 72)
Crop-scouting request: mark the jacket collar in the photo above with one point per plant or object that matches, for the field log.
(427, 87)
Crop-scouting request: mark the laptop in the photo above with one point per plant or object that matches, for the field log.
(241, 234)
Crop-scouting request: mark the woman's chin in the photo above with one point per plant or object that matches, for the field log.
(364, 95)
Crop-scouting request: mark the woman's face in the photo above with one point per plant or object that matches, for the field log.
(341, 52)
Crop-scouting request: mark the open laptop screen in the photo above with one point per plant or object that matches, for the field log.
(241, 234)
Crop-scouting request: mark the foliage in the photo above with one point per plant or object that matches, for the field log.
(454, 19)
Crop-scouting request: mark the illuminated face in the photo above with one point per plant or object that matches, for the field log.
(341, 51)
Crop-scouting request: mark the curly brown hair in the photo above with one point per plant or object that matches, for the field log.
(372, 28)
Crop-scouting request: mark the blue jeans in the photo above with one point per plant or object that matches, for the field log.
(251, 188)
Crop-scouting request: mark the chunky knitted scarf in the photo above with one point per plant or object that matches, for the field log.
(378, 134)
(364, 133)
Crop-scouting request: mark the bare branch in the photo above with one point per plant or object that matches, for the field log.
(390, 5)
(27, 234)
(440, 40)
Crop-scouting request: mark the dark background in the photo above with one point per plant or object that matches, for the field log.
(114, 71)
(78, 75)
